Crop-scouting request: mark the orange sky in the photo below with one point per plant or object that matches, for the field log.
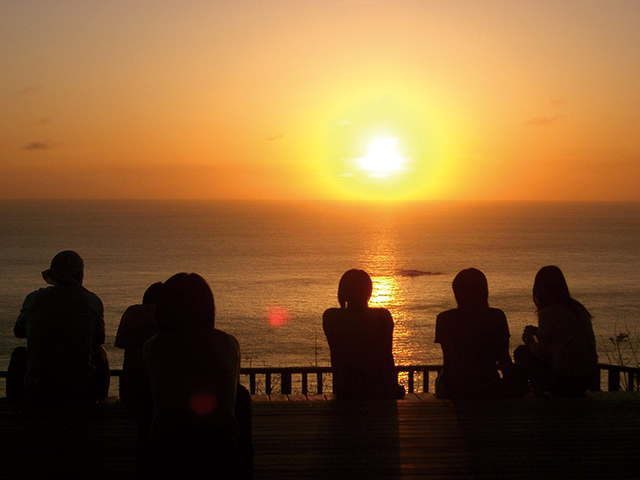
(496, 100)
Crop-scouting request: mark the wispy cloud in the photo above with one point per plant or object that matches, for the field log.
(543, 121)
(30, 90)
(39, 146)
(274, 138)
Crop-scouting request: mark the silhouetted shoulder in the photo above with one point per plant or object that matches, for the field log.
(229, 340)
(331, 313)
(338, 316)
(447, 314)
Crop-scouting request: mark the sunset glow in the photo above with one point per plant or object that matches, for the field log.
(507, 100)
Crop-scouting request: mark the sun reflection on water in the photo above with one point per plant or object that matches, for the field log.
(385, 290)
(391, 290)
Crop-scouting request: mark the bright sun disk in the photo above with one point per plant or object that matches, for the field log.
(382, 156)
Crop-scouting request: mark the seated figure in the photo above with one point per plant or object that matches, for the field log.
(474, 340)
(360, 340)
(64, 360)
(194, 420)
(559, 355)
(137, 325)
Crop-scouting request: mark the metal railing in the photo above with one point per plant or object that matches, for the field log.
(415, 378)
(266, 379)
(617, 375)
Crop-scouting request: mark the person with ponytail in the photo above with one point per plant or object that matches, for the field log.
(360, 340)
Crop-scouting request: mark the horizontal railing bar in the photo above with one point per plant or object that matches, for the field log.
(117, 372)
(613, 384)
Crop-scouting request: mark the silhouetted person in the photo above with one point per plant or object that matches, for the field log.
(64, 360)
(475, 342)
(560, 353)
(360, 339)
(137, 325)
(193, 372)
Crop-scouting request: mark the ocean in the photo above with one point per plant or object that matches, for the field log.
(274, 267)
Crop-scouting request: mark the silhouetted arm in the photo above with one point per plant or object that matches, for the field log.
(504, 358)
(99, 334)
(502, 346)
(20, 328)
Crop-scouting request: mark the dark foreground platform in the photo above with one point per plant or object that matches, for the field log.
(308, 437)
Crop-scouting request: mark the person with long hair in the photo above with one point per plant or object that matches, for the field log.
(191, 422)
(475, 342)
(360, 340)
(560, 353)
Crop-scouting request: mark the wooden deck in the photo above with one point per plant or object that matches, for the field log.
(299, 437)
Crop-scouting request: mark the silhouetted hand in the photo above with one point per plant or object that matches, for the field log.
(529, 334)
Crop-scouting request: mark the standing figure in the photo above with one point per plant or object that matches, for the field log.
(64, 360)
(193, 372)
(475, 342)
(137, 325)
(360, 340)
(560, 353)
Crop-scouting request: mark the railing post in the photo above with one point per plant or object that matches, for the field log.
(319, 378)
(410, 386)
(614, 380)
(285, 383)
(597, 382)
(425, 381)
(252, 383)
(305, 388)
(267, 383)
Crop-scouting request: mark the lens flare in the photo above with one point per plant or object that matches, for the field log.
(278, 316)
(202, 403)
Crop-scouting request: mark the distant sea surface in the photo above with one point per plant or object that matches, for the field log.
(274, 267)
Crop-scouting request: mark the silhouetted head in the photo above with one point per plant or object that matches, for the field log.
(355, 289)
(185, 303)
(550, 288)
(66, 267)
(470, 289)
(152, 294)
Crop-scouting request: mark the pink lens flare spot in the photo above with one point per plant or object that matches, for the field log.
(202, 403)
(278, 316)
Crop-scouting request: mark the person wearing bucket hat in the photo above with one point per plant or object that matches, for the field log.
(64, 326)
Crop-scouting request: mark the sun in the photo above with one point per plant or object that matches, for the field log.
(382, 157)
(380, 149)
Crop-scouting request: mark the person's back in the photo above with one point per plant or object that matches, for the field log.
(193, 377)
(64, 327)
(471, 343)
(560, 354)
(361, 353)
(568, 344)
(137, 325)
(474, 339)
(193, 373)
(360, 339)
